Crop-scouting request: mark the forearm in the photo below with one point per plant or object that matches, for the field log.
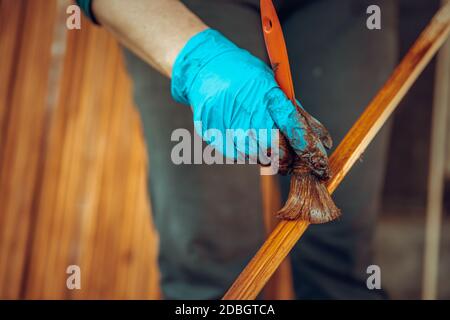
(156, 30)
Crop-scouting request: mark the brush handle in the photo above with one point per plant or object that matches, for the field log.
(276, 48)
(278, 56)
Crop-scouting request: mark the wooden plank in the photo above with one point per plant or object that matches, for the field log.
(436, 173)
(287, 233)
(93, 208)
(24, 113)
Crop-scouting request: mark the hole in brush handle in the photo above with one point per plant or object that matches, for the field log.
(267, 24)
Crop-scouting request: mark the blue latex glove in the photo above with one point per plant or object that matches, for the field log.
(229, 88)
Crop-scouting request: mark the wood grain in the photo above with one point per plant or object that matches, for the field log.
(27, 29)
(72, 164)
(256, 274)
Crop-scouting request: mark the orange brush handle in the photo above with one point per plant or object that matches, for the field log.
(276, 48)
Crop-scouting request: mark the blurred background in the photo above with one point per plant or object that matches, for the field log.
(73, 163)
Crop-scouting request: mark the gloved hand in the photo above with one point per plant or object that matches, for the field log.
(228, 88)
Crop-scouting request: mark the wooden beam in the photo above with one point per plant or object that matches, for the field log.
(436, 173)
(286, 234)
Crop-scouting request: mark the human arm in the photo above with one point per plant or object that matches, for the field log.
(155, 30)
(226, 86)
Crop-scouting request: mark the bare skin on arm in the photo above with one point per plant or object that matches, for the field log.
(154, 30)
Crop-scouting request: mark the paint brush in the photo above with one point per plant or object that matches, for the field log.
(308, 197)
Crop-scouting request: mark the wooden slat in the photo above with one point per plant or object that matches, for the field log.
(11, 16)
(279, 287)
(72, 162)
(24, 114)
(436, 173)
(266, 261)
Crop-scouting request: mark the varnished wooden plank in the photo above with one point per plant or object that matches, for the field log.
(22, 133)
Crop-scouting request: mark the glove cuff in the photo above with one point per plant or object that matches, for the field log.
(198, 51)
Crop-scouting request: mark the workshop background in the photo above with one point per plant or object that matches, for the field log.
(73, 165)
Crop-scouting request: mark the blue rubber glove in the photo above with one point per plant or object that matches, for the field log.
(229, 88)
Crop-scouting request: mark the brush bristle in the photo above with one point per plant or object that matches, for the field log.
(309, 200)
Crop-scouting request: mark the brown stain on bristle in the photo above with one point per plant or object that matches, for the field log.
(309, 200)
(308, 197)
